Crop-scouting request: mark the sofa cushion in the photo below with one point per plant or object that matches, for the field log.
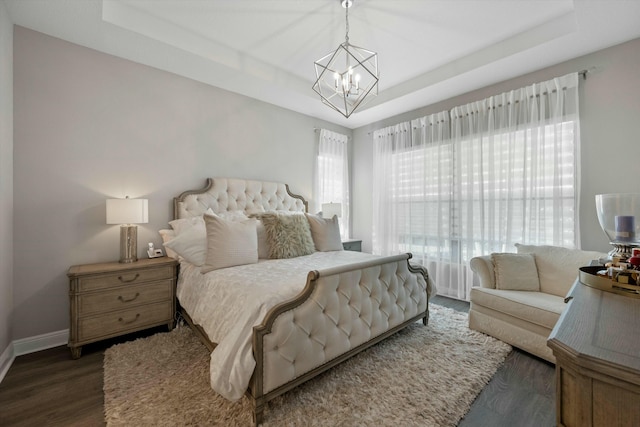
(516, 272)
(558, 267)
(534, 307)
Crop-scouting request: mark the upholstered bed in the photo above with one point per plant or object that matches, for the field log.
(273, 324)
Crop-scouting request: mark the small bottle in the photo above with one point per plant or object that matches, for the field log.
(635, 258)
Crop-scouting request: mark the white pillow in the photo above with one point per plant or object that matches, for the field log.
(191, 244)
(236, 215)
(557, 266)
(166, 236)
(325, 233)
(516, 272)
(181, 225)
(230, 243)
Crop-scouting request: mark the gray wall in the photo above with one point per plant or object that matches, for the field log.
(90, 126)
(6, 178)
(610, 129)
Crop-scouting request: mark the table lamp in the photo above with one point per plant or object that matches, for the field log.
(331, 209)
(127, 212)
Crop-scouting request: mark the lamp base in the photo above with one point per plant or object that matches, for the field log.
(128, 243)
(622, 250)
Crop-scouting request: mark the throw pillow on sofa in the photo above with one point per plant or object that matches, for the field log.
(515, 272)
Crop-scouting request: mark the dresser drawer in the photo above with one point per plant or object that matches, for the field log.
(129, 277)
(124, 297)
(117, 322)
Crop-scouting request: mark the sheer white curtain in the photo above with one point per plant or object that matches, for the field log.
(332, 175)
(387, 186)
(504, 170)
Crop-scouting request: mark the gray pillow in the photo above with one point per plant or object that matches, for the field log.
(325, 233)
(516, 272)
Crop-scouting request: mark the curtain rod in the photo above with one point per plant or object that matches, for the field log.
(581, 73)
(316, 130)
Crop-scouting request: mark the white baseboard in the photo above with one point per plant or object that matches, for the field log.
(6, 360)
(30, 345)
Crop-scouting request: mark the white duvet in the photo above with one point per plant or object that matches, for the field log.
(229, 302)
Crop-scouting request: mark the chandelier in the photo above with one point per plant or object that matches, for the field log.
(348, 76)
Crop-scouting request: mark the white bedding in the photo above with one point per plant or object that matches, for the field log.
(210, 300)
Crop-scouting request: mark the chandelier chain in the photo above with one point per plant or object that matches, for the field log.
(347, 23)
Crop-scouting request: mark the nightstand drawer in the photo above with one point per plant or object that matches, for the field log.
(352, 245)
(118, 322)
(124, 297)
(128, 277)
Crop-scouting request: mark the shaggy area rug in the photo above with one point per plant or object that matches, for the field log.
(421, 376)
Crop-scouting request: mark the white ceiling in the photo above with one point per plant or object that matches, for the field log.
(428, 50)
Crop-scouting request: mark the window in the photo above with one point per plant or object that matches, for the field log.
(332, 175)
(479, 179)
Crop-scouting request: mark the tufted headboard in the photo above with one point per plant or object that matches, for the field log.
(230, 194)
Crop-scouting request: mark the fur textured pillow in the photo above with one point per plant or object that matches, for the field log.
(289, 235)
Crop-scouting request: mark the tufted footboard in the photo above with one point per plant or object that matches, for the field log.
(340, 312)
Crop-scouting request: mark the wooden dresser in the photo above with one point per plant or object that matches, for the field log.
(596, 343)
(111, 299)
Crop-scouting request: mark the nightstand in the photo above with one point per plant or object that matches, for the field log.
(112, 299)
(352, 245)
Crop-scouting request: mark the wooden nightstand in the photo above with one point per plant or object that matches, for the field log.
(112, 299)
(352, 245)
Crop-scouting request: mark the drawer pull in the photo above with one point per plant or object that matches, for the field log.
(130, 321)
(129, 281)
(130, 299)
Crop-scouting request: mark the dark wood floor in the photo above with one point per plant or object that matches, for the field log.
(48, 388)
(521, 393)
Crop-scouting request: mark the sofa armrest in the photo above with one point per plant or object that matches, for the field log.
(482, 267)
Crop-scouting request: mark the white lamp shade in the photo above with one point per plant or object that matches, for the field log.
(127, 211)
(331, 209)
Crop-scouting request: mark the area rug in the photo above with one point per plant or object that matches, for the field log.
(421, 376)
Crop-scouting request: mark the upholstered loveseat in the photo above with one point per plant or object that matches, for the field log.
(521, 296)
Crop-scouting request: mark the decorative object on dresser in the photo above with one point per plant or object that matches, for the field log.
(112, 299)
(617, 215)
(352, 245)
(276, 320)
(162, 380)
(597, 349)
(127, 212)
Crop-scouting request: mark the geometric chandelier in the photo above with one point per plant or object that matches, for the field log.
(347, 77)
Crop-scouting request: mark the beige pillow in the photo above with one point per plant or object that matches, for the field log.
(325, 233)
(230, 243)
(516, 272)
(288, 235)
(263, 241)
